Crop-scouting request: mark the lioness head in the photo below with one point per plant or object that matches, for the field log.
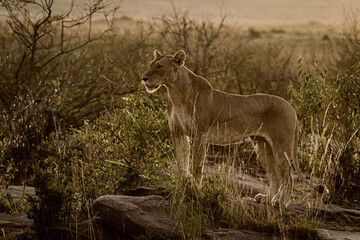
(162, 70)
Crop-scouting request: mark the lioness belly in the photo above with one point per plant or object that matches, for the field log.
(225, 134)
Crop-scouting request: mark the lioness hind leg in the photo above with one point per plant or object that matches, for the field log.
(283, 195)
(266, 159)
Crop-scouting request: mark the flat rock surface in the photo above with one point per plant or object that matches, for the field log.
(18, 193)
(230, 234)
(339, 235)
(14, 223)
(332, 216)
(136, 215)
(93, 228)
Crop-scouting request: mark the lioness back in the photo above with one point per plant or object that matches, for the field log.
(235, 117)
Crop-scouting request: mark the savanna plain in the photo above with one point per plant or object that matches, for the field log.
(77, 123)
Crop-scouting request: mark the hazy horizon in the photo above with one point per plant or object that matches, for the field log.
(240, 10)
(237, 10)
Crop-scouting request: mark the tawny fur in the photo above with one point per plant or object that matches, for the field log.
(198, 111)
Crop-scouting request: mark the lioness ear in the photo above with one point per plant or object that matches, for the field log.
(157, 54)
(179, 57)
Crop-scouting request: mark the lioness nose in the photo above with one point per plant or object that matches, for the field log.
(145, 78)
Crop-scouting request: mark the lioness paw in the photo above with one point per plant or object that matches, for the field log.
(260, 197)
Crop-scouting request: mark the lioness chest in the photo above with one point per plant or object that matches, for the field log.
(179, 117)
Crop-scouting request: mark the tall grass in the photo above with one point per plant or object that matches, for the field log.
(219, 204)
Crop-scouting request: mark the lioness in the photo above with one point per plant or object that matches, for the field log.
(207, 115)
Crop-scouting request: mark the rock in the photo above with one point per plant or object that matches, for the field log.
(251, 188)
(137, 215)
(244, 182)
(18, 193)
(331, 208)
(146, 191)
(339, 235)
(93, 228)
(12, 224)
(86, 229)
(331, 213)
(230, 234)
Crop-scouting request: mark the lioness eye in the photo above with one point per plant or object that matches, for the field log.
(158, 67)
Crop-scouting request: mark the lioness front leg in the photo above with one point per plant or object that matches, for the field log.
(182, 154)
(181, 149)
(198, 157)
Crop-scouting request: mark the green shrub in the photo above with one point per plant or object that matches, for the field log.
(329, 117)
(117, 152)
(52, 203)
(6, 203)
(53, 77)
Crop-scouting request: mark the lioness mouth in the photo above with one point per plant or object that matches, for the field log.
(151, 87)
